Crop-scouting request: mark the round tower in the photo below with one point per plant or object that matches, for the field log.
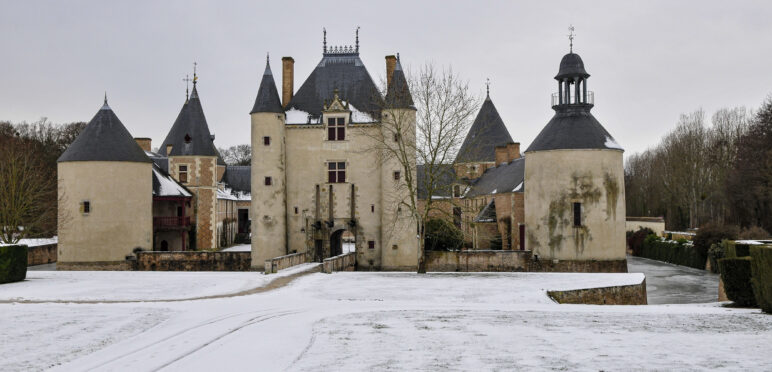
(269, 195)
(105, 196)
(574, 182)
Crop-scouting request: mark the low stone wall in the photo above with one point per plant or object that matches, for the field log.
(587, 266)
(194, 261)
(344, 262)
(477, 260)
(619, 295)
(282, 262)
(41, 254)
(95, 266)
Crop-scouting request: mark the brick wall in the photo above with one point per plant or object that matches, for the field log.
(282, 262)
(344, 262)
(477, 260)
(194, 261)
(41, 254)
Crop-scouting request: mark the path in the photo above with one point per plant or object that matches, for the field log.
(674, 284)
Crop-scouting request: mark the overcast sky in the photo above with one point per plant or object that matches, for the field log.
(650, 61)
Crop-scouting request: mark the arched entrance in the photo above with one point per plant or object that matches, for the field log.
(342, 241)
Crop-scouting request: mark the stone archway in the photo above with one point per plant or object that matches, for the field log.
(342, 241)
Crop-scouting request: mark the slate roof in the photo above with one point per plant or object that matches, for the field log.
(398, 93)
(104, 139)
(573, 127)
(487, 132)
(191, 123)
(267, 99)
(165, 185)
(239, 177)
(347, 73)
(571, 65)
(504, 178)
(487, 214)
(445, 175)
(159, 160)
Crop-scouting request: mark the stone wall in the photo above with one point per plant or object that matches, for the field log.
(477, 260)
(619, 295)
(94, 266)
(344, 262)
(585, 266)
(194, 261)
(41, 254)
(282, 262)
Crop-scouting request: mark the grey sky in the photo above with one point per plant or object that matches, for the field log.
(649, 61)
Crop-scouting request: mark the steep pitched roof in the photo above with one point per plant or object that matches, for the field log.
(165, 185)
(190, 134)
(508, 177)
(487, 132)
(239, 177)
(398, 92)
(487, 214)
(444, 175)
(267, 99)
(573, 128)
(347, 73)
(104, 139)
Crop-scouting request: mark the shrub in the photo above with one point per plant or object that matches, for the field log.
(13, 263)
(761, 276)
(635, 239)
(713, 233)
(736, 275)
(496, 242)
(735, 250)
(753, 233)
(716, 252)
(442, 235)
(679, 253)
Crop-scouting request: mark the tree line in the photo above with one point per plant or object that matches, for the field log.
(717, 172)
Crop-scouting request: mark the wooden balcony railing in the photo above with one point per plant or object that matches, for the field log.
(171, 221)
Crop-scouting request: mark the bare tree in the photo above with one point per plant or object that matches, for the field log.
(237, 155)
(425, 146)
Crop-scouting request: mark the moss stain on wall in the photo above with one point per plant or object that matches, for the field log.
(583, 190)
(612, 195)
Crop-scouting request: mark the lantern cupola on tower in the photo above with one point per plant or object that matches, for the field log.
(572, 81)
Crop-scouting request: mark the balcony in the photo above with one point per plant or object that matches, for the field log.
(571, 100)
(171, 223)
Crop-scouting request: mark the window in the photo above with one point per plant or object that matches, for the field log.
(372, 208)
(268, 181)
(267, 141)
(456, 191)
(396, 175)
(296, 210)
(183, 173)
(577, 214)
(396, 137)
(336, 172)
(371, 244)
(85, 207)
(394, 246)
(336, 129)
(457, 217)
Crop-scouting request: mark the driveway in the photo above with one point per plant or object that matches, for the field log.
(673, 284)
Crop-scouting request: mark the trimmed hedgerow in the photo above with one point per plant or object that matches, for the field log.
(680, 252)
(734, 250)
(716, 252)
(761, 276)
(736, 275)
(635, 239)
(13, 263)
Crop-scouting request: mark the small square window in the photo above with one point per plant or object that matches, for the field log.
(85, 207)
(336, 172)
(396, 175)
(296, 210)
(268, 181)
(396, 137)
(371, 244)
(394, 247)
(182, 171)
(267, 141)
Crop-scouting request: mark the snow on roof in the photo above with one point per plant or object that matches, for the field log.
(612, 144)
(519, 187)
(165, 185)
(230, 194)
(360, 116)
(295, 116)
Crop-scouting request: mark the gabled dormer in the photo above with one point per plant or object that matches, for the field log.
(335, 116)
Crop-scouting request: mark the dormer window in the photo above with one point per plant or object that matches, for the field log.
(336, 129)
(187, 138)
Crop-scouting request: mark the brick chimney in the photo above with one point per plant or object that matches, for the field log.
(513, 151)
(391, 63)
(144, 143)
(502, 155)
(287, 80)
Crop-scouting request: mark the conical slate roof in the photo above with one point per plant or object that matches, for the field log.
(487, 132)
(104, 139)
(267, 97)
(573, 127)
(190, 134)
(342, 71)
(398, 92)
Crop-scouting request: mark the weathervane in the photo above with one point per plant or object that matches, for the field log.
(571, 38)
(195, 76)
(488, 87)
(324, 48)
(357, 40)
(187, 81)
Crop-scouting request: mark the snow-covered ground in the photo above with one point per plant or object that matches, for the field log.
(387, 321)
(34, 242)
(239, 248)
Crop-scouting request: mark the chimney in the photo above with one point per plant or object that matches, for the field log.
(391, 63)
(287, 80)
(502, 155)
(513, 151)
(144, 143)
(168, 149)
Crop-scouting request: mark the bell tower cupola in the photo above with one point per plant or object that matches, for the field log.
(572, 81)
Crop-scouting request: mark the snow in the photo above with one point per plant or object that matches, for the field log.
(353, 321)
(34, 242)
(239, 248)
(295, 116)
(494, 191)
(519, 187)
(753, 242)
(168, 186)
(360, 116)
(611, 143)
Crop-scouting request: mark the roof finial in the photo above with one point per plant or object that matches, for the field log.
(105, 106)
(105, 97)
(187, 81)
(397, 56)
(571, 38)
(488, 88)
(324, 43)
(195, 75)
(357, 41)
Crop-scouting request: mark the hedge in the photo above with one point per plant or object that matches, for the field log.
(679, 253)
(734, 250)
(13, 263)
(736, 275)
(761, 276)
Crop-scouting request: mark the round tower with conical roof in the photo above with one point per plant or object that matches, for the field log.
(269, 191)
(105, 196)
(574, 177)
